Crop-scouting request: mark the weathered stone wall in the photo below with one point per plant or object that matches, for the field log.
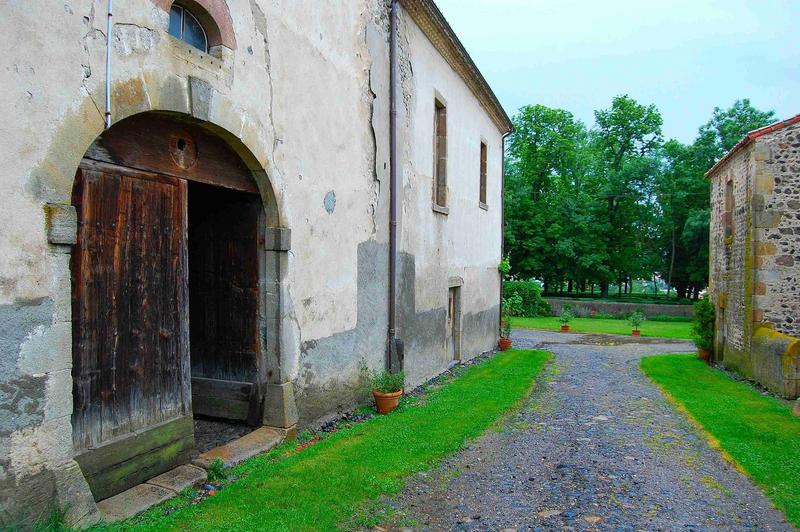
(731, 261)
(776, 203)
(584, 307)
(303, 95)
(755, 271)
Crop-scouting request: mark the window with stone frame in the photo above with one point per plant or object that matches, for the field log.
(483, 170)
(727, 216)
(440, 155)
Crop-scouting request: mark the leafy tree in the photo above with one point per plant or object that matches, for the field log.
(626, 137)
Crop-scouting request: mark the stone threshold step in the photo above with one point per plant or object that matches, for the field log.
(168, 485)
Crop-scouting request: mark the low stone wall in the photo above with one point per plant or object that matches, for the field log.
(584, 307)
(775, 361)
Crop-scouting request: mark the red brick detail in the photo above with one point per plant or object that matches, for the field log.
(215, 17)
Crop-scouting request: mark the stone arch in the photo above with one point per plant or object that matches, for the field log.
(269, 390)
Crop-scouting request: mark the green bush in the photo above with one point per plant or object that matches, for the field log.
(386, 382)
(636, 319)
(531, 294)
(604, 316)
(216, 470)
(673, 319)
(566, 315)
(703, 326)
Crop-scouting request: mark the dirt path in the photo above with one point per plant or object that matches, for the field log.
(595, 447)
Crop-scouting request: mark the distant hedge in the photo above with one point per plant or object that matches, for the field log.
(531, 294)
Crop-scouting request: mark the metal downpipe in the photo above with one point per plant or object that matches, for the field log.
(394, 351)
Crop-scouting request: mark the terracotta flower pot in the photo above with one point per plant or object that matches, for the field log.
(565, 328)
(386, 402)
(505, 344)
(703, 354)
(636, 332)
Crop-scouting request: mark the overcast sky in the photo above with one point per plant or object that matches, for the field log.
(684, 56)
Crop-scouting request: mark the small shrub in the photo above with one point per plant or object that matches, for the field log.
(216, 470)
(512, 305)
(636, 319)
(531, 294)
(703, 326)
(603, 316)
(566, 315)
(386, 382)
(505, 328)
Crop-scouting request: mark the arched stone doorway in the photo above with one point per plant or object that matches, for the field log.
(175, 287)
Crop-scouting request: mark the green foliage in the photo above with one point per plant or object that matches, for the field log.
(387, 382)
(328, 483)
(614, 203)
(607, 326)
(758, 432)
(675, 319)
(504, 267)
(505, 327)
(530, 294)
(636, 319)
(703, 325)
(216, 470)
(566, 315)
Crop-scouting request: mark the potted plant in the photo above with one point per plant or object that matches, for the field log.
(703, 328)
(387, 388)
(505, 334)
(636, 320)
(565, 317)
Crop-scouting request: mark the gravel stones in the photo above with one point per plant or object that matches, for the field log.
(595, 447)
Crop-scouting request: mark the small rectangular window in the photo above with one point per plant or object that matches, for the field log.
(440, 155)
(727, 216)
(482, 197)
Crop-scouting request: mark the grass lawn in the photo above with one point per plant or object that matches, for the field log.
(661, 329)
(758, 434)
(328, 483)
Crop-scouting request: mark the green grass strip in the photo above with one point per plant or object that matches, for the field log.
(326, 484)
(757, 433)
(660, 329)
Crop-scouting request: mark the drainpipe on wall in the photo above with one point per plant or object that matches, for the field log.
(394, 349)
(108, 64)
(502, 213)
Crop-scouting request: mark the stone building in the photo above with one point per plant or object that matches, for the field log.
(755, 256)
(239, 241)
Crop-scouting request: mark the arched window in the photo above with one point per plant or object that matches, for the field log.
(184, 25)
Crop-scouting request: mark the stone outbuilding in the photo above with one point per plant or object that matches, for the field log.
(228, 208)
(755, 256)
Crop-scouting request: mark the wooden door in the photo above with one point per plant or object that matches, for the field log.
(451, 329)
(130, 326)
(224, 302)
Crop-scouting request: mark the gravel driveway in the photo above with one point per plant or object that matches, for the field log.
(595, 447)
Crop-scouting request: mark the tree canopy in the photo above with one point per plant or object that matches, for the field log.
(614, 203)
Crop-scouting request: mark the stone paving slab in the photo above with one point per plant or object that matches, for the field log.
(181, 477)
(596, 447)
(259, 441)
(131, 502)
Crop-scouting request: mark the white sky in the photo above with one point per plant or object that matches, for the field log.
(684, 56)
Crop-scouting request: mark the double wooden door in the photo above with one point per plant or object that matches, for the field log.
(148, 282)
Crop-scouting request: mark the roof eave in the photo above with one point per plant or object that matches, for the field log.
(431, 21)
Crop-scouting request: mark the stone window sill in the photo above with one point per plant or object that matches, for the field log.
(440, 209)
(483, 206)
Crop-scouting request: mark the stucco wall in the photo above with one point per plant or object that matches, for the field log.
(304, 96)
(465, 242)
